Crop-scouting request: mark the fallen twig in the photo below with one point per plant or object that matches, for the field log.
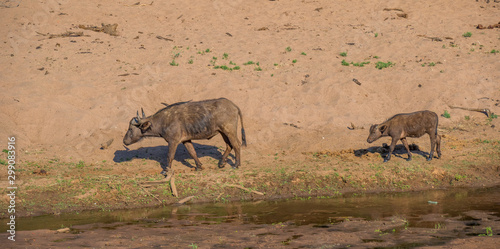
(109, 29)
(357, 82)
(65, 34)
(243, 188)
(107, 144)
(353, 127)
(163, 38)
(149, 193)
(481, 110)
(185, 199)
(172, 185)
(433, 38)
(390, 9)
(170, 176)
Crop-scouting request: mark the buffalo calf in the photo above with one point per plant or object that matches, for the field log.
(186, 121)
(404, 125)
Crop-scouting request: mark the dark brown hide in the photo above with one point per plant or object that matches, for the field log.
(404, 125)
(186, 121)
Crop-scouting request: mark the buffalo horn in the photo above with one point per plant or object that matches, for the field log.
(143, 114)
(138, 118)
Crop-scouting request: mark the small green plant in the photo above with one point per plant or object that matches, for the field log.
(213, 61)
(225, 56)
(376, 34)
(344, 63)
(294, 61)
(288, 49)
(275, 64)
(467, 118)
(193, 246)
(303, 53)
(489, 232)
(190, 61)
(248, 63)
(459, 177)
(173, 63)
(380, 65)
(207, 50)
(492, 116)
(444, 46)
(258, 69)
(343, 54)
(360, 64)
(375, 57)
(80, 164)
(467, 34)
(446, 114)
(494, 51)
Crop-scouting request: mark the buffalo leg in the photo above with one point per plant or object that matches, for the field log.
(229, 147)
(235, 144)
(433, 144)
(190, 148)
(391, 149)
(172, 147)
(438, 145)
(405, 143)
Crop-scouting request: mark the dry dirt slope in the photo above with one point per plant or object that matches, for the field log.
(63, 97)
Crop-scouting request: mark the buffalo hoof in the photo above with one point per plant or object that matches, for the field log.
(198, 168)
(429, 158)
(409, 159)
(235, 167)
(221, 166)
(386, 160)
(164, 172)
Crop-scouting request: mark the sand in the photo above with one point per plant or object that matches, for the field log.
(65, 96)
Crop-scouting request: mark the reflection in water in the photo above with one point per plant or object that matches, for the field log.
(416, 207)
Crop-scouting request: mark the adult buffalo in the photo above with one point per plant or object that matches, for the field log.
(186, 121)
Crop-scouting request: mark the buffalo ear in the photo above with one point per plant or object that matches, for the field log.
(145, 126)
(382, 128)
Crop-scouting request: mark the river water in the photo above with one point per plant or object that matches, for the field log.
(415, 207)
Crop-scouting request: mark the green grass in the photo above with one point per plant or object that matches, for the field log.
(288, 49)
(360, 64)
(173, 63)
(446, 114)
(343, 54)
(467, 34)
(494, 51)
(248, 63)
(345, 63)
(381, 65)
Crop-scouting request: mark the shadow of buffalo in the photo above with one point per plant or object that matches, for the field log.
(399, 151)
(159, 154)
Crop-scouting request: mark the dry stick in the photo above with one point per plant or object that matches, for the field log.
(390, 9)
(246, 189)
(170, 176)
(481, 110)
(149, 193)
(185, 199)
(172, 185)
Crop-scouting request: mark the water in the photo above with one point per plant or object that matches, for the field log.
(412, 206)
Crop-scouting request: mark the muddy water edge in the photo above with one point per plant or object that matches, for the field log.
(410, 219)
